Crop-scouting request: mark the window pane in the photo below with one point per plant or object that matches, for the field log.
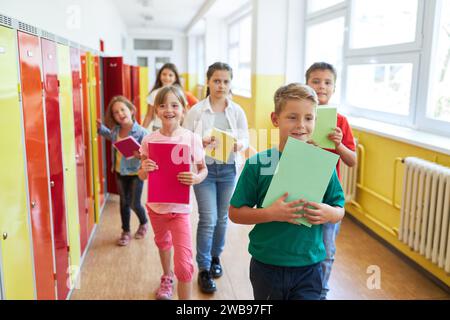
(440, 91)
(245, 41)
(325, 43)
(234, 33)
(380, 87)
(316, 5)
(201, 60)
(234, 58)
(383, 22)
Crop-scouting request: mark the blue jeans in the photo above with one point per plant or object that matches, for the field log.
(271, 282)
(213, 197)
(130, 191)
(330, 231)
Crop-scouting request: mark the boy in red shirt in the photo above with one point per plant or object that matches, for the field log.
(321, 76)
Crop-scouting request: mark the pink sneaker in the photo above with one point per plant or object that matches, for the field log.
(124, 240)
(141, 231)
(165, 290)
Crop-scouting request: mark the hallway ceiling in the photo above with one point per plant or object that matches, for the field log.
(162, 14)
(174, 15)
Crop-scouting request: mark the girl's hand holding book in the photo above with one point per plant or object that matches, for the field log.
(209, 141)
(188, 178)
(149, 165)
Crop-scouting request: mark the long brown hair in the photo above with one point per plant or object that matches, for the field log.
(158, 83)
(109, 118)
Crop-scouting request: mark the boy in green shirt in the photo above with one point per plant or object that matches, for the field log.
(286, 256)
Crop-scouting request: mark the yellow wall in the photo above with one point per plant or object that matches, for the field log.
(191, 81)
(380, 180)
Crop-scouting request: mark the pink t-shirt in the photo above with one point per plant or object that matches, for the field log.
(182, 136)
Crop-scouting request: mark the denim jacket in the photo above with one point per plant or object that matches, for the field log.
(127, 166)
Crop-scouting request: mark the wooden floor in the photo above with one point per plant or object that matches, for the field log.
(133, 272)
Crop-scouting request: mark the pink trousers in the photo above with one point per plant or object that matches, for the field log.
(174, 230)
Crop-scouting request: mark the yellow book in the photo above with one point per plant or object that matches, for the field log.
(224, 145)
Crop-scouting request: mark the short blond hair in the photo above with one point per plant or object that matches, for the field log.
(293, 91)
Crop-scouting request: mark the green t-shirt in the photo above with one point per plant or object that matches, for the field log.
(280, 243)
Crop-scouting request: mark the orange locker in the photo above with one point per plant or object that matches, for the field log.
(87, 140)
(100, 142)
(38, 177)
(135, 96)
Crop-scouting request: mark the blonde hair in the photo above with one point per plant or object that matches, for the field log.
(293, 91)
(109, 118)
(164, 91)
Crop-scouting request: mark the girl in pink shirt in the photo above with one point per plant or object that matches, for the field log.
(171, 222)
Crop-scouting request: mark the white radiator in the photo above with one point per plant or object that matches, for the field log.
(425, 210)
(349, 178)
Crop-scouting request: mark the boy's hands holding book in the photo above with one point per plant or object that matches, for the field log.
(336, 136)
(320, 213)
(282, 211)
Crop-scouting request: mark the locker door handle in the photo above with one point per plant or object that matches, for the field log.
(52, 184)
(77, 156)
(33, 204)
(5, 236)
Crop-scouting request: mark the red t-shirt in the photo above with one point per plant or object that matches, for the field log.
(347, 138)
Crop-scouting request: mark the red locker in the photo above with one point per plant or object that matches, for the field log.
(100, 142)
(35, 143)
(135, 97)
(113, 85)
(83, 201)
(87, 141)
(51, 93)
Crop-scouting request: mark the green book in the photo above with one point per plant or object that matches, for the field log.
(325, 124)
(304, 171)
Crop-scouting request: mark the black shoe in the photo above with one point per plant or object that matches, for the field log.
(206, 282)
(216, 268)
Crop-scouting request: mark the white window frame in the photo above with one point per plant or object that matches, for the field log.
(419, 52)
(201, 65)
(322, 16)
(416, 45)
(424, 99)
(359, 111)
(244, 92)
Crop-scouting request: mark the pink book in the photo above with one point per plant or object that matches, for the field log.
(163, 185)
(127, 146)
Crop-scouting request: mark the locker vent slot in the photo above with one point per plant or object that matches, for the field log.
(63, 41)
(28, 28)
(48, 35)
(151, 44)
(6, 21)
